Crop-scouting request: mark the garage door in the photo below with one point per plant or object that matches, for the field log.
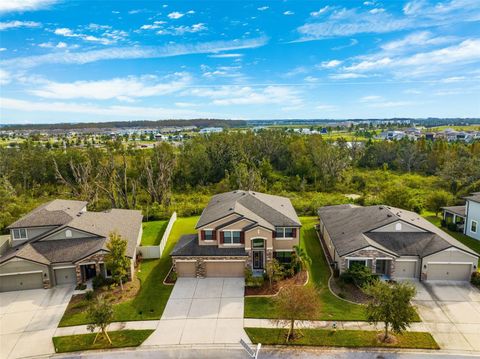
(21, 282)
(405, 269)
(460, 272)
(225, 269)
(65, 276)
(185, 269)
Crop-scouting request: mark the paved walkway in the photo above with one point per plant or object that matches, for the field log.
(28, 320)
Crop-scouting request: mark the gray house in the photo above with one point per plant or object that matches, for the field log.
(394, 243)
(236, 230)
(466, 217)
(61, 242)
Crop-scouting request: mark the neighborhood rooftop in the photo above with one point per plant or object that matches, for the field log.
(268, 210)
(350, 227)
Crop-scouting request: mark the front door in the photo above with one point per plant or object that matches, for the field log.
(90, 271)
(257, 259)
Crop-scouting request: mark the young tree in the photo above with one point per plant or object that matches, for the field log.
(390, 304)
(116, 260)
(437, 200)
(300, 258)
(274, 271)
(294, 303)
(100, 313)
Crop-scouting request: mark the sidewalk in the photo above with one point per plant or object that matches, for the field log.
(82, 329)
(321, 324)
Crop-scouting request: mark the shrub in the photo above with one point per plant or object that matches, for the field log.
(89, 295)
(452, 227)
(358, 274)
(475, 280)
(98, 282)
(81, 286)
(251, 281)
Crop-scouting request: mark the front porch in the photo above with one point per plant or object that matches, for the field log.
(454, 217)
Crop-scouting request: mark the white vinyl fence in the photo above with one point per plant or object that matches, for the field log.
(150, 252)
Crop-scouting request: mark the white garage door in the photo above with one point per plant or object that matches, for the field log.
(65, 276)
(457, 272)
(21, 282)
(225, 269)
(185, 269)
(405, 269)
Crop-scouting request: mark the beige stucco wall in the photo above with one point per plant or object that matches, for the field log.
(61, 235)
(328, 241)
(258, 232)
(239, 225)
(32, 232)
(285, 243)
(392, 228)
(450, 256)
(220, 221)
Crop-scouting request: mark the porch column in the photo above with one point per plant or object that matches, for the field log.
(454, 218)
(78, 273)
(97, 269)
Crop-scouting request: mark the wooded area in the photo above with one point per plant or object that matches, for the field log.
(308, 169)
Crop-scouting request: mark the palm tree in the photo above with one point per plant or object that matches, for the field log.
(300, 258)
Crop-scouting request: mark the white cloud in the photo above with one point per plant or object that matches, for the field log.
(3, 49)
(288, 13)
(330, 64)
(413, 7)
(175, 15)
(135, 52)
(377, 11)
(222, 71)
(123, 112)
(421, 38)
(346, 76)
(371, 98)
(118, 88)
(262, 8)
(155, 25)
(4, 77)
(107, 37)
(15, 24)
(321, 11)
(183, 29)
(59, 45)
(311, 79)
(225, 56)
(24, 5)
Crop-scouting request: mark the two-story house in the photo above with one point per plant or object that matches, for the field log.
(236, 230)
(61, 242)
(466, 217)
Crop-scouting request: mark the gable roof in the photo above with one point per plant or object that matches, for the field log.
(475, 197)
(53, 213)
(188, 246)
(352, 228)
(267, 210)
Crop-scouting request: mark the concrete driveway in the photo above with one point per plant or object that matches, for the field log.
(202, 311)
(28, 320)
(451, 312)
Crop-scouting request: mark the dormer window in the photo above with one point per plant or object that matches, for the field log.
(20, 233)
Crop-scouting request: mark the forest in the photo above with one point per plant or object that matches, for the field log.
(313, 172)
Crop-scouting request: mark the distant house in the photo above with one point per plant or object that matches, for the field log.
(393, 243)
(392, 135)
(466, 217)
(207, 130)
(238, 230)
(61, 242)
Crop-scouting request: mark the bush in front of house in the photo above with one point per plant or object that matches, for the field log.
(251, 281)
(359, 275)
(475, 279)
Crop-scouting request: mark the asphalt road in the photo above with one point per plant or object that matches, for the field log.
(188, 353)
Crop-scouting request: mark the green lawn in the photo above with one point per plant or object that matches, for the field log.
(153, 295)
(333, 308)
(341, 338)
(153, 232)
(120, 339)
(466, 240)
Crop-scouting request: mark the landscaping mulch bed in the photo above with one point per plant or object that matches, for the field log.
(348, 291)
(298, 279)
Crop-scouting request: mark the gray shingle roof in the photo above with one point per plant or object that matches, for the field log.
(54, 213)
(68, 250)
(188, 245)
(267, 210)
(350, 227)
(460, 210)
(475, 197)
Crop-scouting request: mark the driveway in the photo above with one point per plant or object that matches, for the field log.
(28, 320)
(202, 311)
(451, 312)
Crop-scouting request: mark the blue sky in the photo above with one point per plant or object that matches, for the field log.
(71, 61)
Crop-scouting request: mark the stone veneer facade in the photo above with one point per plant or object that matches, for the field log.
(97, 259)
(372, 254)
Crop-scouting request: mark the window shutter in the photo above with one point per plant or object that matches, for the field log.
(221, 237)
(294, 232)
(214, 235)
(202, 235)
(242, 237)
(274, 233)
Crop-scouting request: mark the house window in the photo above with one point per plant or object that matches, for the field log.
(473, 226)
(68, 233)
(283, 257)
(231, 237)
(258, 243)
(20, 233)
(208, 235)
(284, 232)
(357, 262)
(398, 227)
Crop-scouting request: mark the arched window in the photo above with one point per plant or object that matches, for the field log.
(398, 227)
(68, 233)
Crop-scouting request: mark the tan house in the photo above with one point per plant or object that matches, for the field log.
(236, 230)
(61, 242)
(394, 243)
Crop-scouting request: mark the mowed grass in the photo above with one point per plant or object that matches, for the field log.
(341, 338)
(153, 232)
(332, 308)
(120, 339)
(153, 295)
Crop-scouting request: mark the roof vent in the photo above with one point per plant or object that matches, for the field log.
(380, 207)
(389, 215)
(79, 214)
(230, 209)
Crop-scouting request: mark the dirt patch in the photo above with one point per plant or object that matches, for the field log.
(298, 279)
(390, 339)
(348, 291)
